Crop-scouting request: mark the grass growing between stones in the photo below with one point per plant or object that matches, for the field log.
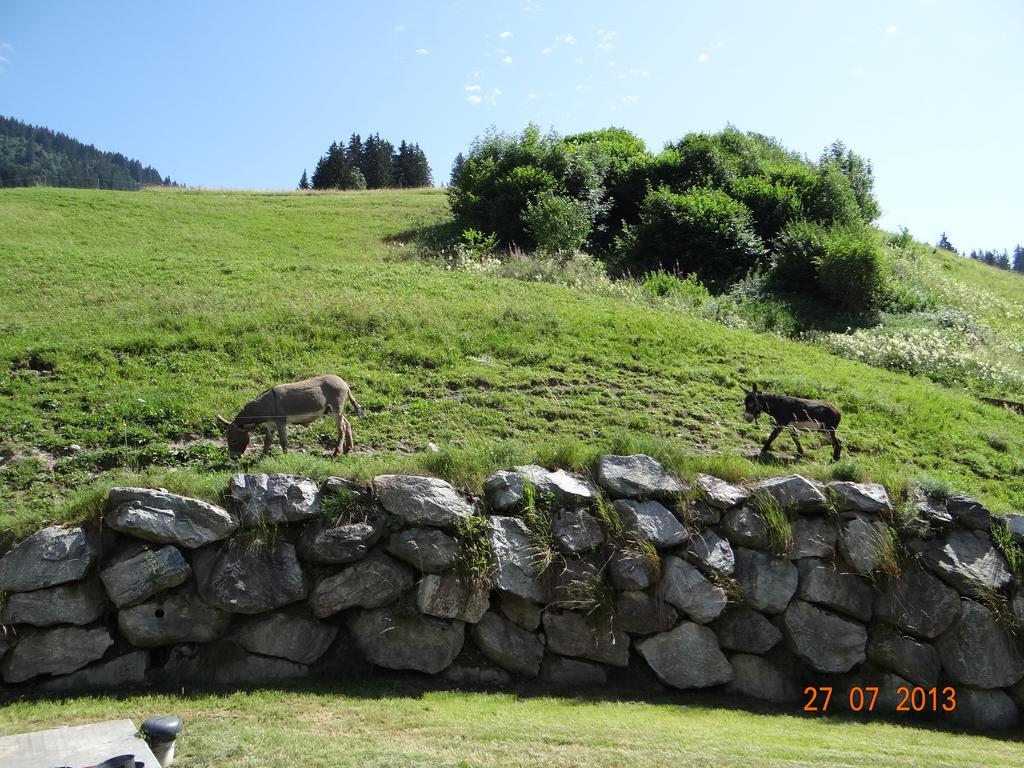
(127, 321)
(380, 727)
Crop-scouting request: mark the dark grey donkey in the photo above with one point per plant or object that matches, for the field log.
(793, 413)
(301, 402)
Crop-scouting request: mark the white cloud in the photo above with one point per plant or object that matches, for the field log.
(400, 28)
(531, 96)
(640, 72)
(545, 51)
(611, 65)
(892, 29)
(507, 60)
(422, 51)
(702, 58)
(496, 91)
(567, 39)
(605, 40)
(630, 99)
(472, 87)
(583, 87)
(473, 99)
(505, 35)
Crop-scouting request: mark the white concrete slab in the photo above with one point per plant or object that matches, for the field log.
(77, 746)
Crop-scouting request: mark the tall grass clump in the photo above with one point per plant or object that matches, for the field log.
(476, 555)
(537, 508)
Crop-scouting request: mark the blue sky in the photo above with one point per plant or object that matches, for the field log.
(247, 94)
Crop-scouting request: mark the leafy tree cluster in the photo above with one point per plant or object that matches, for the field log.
(31, 155)
(716, 205)
(1001, 259)
(371, 164)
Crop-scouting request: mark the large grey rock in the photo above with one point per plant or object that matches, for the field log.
(263, 499)
(47, 558)
(520, 611)
(452, 596)
(743, 629)
(1015, 525)
(503, 491)
(475, 673)
(686, 657)
(250, 577)
(80, 603)
(516, 566)
(863, 543)
(429, 550)
(984, 710)
(710, 553)
(373, 582)
(718, 493)
(651, 521)
(641, 613)
(814, 537)
(917, 603)
(637, 477)
(966, 560)
(508, 645)
(166, 518)
(124, 671)
(910, 658)
(829, 585)
(969, 512)
(575, 584)
(225, 663)
(745, 528)
(572, 634)
(795, 493)
(761, 678)
(180, 616)
(685, 587)
(574, 673)
(702, 514)
(576, 531)
(571, 489)
(826, 641)
(326, 542)
(861, 497)
(978, 650)
(768, 583)
(286, 635)
(421, 500)
(55, 651)
(631, 570)
(138, 578)
(400, 637)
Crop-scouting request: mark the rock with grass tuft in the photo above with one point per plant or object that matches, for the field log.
(969, 512)
(978, 650)
(792, 493)
(861, 497)
(745, 528)
(718, 493)
(966, 560)
(710, 553)
(863, 543)
(683, 586)
(138, 578)
(324, 541)
(650, 521)
(576, 531)
(515, 559)
(250, 576)
(814, 537)
(429, 550)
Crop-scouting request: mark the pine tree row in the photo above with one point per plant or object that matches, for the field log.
(370, 164)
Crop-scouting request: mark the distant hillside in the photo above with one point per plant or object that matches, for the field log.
(30, 156)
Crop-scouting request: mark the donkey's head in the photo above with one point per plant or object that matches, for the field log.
(752, 404)
(238, 438)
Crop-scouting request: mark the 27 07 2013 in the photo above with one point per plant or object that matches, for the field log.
(864, 698)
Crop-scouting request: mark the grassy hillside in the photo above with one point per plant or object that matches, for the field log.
(128, 320)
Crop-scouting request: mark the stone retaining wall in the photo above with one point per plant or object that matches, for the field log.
(762, 591)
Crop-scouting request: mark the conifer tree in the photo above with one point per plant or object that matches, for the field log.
(304, 181)
(1018, 259)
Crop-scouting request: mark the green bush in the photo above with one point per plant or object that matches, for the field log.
(703, 231)
(557, 223)
(844, 265)
(772, 204)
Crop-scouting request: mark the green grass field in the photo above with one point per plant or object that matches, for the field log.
(377, 727)
(127, 320)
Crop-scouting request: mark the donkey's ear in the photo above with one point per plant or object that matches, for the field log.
(222, 422)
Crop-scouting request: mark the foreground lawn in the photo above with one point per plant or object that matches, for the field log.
(127, 320)
(380, 728)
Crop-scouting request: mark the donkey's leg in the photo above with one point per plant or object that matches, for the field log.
(267, 435)
(339, 419)
(792, 432)
(837, 447)
(348, 435)
(282, 433)
(771, 439)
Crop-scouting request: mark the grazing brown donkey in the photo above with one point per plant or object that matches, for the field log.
(301, 402)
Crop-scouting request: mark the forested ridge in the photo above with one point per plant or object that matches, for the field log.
(31, 155)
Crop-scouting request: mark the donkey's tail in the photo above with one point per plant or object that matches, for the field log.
(356, 405)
